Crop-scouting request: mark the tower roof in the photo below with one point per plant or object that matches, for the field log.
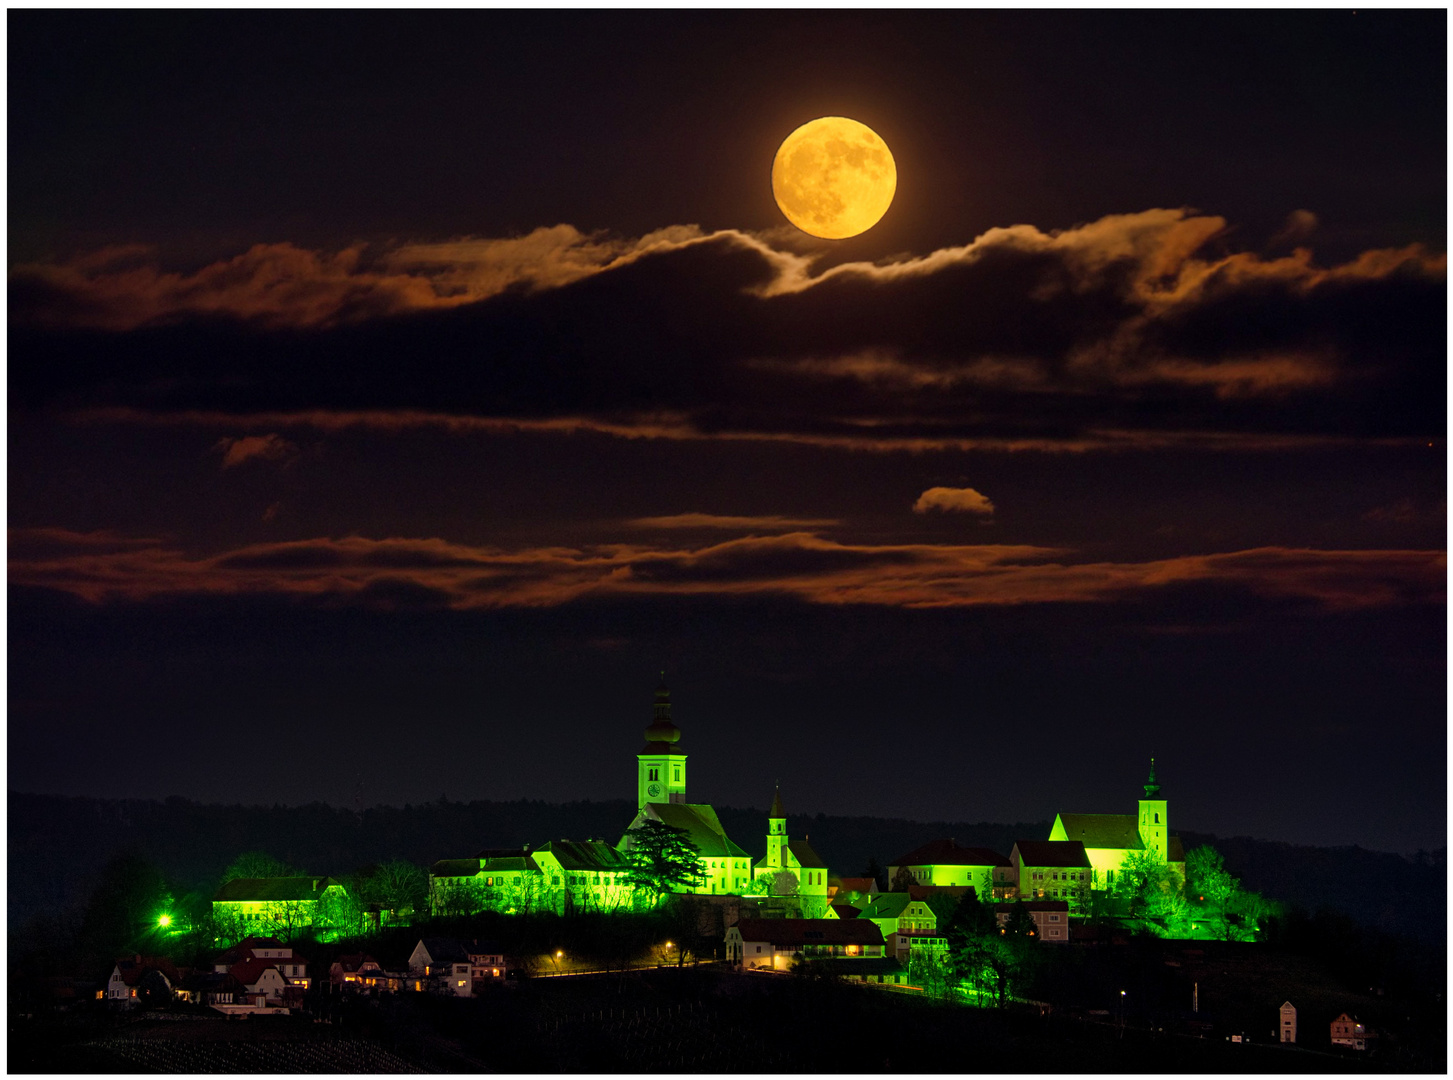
(777, 811)
(1152, 789)
(662, 734)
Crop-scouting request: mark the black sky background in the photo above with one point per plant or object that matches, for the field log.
(264, 546)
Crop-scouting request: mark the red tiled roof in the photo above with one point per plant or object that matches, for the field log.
(1069, 853)
(250, 970)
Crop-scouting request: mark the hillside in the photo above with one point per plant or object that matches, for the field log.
(58, 844)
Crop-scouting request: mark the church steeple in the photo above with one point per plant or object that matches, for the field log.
(661, 763)
(1154, 818)
(1152, 789)
(776, 829)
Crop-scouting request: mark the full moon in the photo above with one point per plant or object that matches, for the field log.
(834, 177)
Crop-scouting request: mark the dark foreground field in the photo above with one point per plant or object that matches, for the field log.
(703, 1020)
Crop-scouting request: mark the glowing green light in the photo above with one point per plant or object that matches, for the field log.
(164, 921)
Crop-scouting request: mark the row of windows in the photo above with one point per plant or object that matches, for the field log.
(653, 773)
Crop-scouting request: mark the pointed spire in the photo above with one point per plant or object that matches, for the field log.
(1152, 789)
(777, 811)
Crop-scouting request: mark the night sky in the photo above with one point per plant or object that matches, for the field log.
(392, 396)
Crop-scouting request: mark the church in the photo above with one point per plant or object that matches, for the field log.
(1108, 838)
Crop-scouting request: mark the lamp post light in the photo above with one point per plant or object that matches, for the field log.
(1122, 1014)
(559, 955)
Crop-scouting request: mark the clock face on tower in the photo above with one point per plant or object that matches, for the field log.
(653, 790)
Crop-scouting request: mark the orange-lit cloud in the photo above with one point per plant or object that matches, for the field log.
(437, 572)
(957, 500)
(859, 435)
(268, 447)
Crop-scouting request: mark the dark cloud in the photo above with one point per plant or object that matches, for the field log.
(1139, 323)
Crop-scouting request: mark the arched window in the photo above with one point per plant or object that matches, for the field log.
(1157, 819)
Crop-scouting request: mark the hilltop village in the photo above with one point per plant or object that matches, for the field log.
(677, 847)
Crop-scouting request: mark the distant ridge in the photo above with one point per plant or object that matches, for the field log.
(58, 845)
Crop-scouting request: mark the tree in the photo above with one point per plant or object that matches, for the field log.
(257, 864)
(877, 873)
(1212, 887)
(397, 886)
(662, 859)
(1143, 878)
(903, 879)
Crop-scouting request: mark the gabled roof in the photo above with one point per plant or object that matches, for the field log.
(133, 968)
(584, 855)
(855, 884)
(1120, 831)
(700, 823)
(806, 857)
(948, 853)
(444, 950)
(212, 981)
(510, 864)
(354, 961)
(483, 948)
(888, 905)
(810, 931)
(847, 911)
(275, 889)
(1056, 853)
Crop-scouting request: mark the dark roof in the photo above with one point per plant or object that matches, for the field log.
(483, 948)
(661, 748)
(445, 950)
(847, 911)
(132, 969)
(806, 857)
(1121, 831)
(354, 961)
(854, 884)
(455, 868)
(584, 854)
(777, 811)
(210, 981)
(810, 931)
(947, 853)
(509, 863)
(502, 852)
(888, 905)
(700, 824)
(276, 889)
(1052, 853)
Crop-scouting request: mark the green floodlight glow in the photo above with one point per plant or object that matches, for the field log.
(164, 921)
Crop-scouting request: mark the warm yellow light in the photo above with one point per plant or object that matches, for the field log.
(834, 177)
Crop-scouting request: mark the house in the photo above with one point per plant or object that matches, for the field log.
(497, 879)
(795, 857)
(775, 943)
(1348, 1031)
(661, 796)
(588, 875)
(851, 890)
(128, 976)
(486, 961)
(946, 862)
(1288, 1030)
(349, 969)
(290, 966)
(282, 904)
(260, 979)
(445, 964)
(1051, 918)
(899, 916)
(1109, 838)
(1051, 870)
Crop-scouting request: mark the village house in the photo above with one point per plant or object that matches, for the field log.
(945, 862)
(130, 976)
(775, 943)
(1051, 918)
(1052, 870)
(1348, 1031)
(350, 969)
(293, 968)
(284, 905)
(442, 964)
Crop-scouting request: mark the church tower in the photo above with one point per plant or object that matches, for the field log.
(776, 830)
(1154, 822)
(661, 768)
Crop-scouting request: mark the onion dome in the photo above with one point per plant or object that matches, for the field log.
(1152, 789)
(662, 730)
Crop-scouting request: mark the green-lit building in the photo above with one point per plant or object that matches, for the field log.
(947, 863)
(661, 796)
(1108, 838)
(797, 858)
(278, 905)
